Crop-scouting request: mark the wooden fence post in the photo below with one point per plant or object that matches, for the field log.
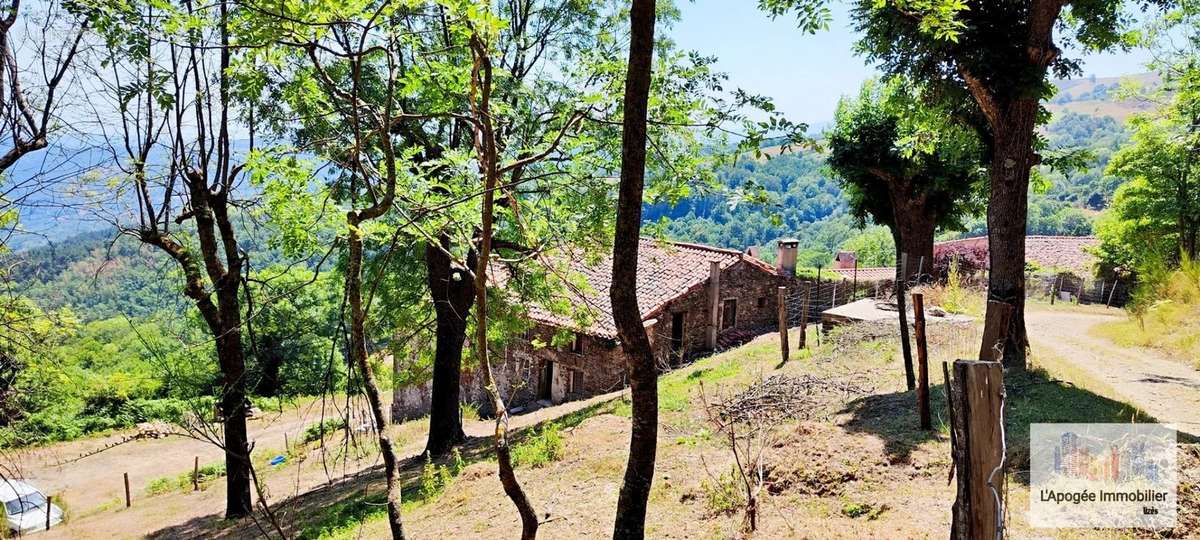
(49, 506)
(922, 361)
(804, 317)
(196, 473)
(781, 302)
(977, 392)
(128, 501)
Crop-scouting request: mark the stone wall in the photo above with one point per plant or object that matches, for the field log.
(755, 294)
(599, 366)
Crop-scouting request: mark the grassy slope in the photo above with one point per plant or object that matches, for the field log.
(1171, 323)
(857, 468)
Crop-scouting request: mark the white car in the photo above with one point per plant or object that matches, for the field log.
(25, 507)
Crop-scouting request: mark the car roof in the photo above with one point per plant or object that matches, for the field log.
(12, 489)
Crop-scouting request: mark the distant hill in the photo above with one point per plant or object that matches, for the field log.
(1097, 96)
(808, 203)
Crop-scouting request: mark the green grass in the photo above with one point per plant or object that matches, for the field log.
(183, 481)
(1171, 326)
(540, 448)
(725, 493)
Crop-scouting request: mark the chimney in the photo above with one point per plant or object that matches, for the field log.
(787, 256)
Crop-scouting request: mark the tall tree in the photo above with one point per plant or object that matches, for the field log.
(165, 112)
(639, 363)
(907, 166)
(999, 56)
(1160, 204)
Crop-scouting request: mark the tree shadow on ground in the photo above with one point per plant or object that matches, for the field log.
(348, 501)
(1032, 397)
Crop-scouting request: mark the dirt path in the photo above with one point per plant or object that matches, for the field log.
(1166, 389)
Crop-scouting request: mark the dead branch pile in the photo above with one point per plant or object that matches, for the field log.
(145, 430)
(781, 397)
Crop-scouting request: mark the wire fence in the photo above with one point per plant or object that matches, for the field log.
(1077, 290)
(808, 298)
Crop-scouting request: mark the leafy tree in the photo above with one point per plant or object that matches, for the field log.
(1162, 198)
(998, 57)
(292, 334)
(909, 167)
(873, 247)
(164, 105)
(905, 165)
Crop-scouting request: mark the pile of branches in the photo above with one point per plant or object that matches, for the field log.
(781, 397)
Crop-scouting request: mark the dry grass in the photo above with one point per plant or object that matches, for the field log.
(1167, 317)
(856, 468)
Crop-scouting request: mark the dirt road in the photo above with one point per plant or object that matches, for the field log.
(1165, 388)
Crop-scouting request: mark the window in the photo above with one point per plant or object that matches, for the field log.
(577, 344)
(729, 314)
(25, 503)
(762, 302)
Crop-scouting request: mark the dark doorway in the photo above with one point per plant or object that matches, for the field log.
(729, 314)
(546, 379)
(677, 333)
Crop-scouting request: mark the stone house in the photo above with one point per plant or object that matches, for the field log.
(694, 299)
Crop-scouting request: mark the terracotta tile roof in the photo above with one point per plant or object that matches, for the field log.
(1061, 252)
(867, 275)
(666, 270)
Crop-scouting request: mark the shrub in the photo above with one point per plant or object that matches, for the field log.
(318, 430)
(540, 448)
(724, 493)
(968, 260)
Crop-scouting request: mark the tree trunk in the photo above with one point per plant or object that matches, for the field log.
(488, 158)
(916, 226)
(233, 404)
(643, 382)
(1190, 236)
(358, 355)
(1008, 208)
(453, 293)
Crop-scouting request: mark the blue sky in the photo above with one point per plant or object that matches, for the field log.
(805, 74)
